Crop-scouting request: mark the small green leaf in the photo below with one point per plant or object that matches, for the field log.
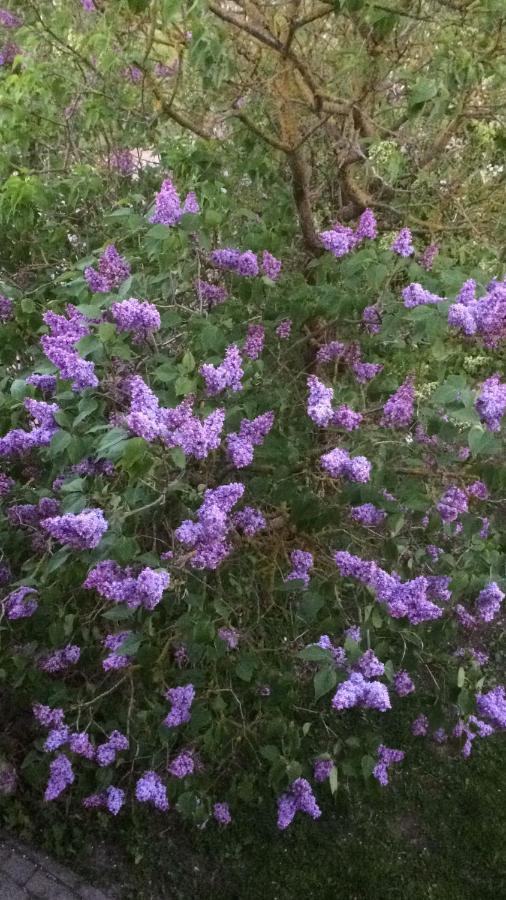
(324, 681)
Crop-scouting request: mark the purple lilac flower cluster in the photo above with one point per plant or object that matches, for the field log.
(112, 799)
(428, 256)
(6, 308)
(254, 343)
(249, 520)
(302, 562)
(403, 683)
(45, 383)
(20, 604)
(299, 798)
(122, 586)
(386, 758)
(322, 769)
(122, 161)
(230, 637)
(227, 375)
(113, 270)
(151, 789)
(138, 316)
(213, 294)
(484, 317)
(9, 19)
(371, 317)
(357, 691)
(168, 207)
(403, 243)
(208, 537)
(177, 427)
(487, 607)
(251, 434)
(246, 264)
(398, 411)
(368, 514)
(183, 765)
(61, 659)
(492, 706)
(181, 699)
(60, 347)
(87, 467)
(339, 464)
(411, 599)
(43, 428)
(340, 239)
(117, 658)
(284, 329)
(463, 729)
(221, 813)
(81, 531)
(491, 402)
(9, 52)
(416, 295)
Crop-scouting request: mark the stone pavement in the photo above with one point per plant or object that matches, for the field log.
(28, 874)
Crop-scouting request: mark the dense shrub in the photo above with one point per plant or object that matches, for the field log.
(251, 516)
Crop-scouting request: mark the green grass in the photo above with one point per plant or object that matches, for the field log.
(439, 832)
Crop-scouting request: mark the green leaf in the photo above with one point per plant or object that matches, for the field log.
(324, 681)
(315, 654)
(333, 780)
(461, 677)
(244, 669)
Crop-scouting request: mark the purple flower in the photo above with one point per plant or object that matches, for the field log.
(478, 490)
(387, 757)
(122, 161)
(249, 520)
(493, 706)
(416, 295)
(403, 243)
(428, 256)
(353, 633)
(43, 428)
(213, 294)
(398, 411)
(322, 769)
(271, 266)
(9, 52)
(227, 258)
(338, 241)
(319, 404)
(163, 71)
(371, 317)
(254, 343)
(488, 602)
(138, 316)
(221, 813)
(491, 402)
(230, 637)
(302, 562)
(367, 226)
(403, 685)
(284, 329)
(420, 726)
(252, 433)
(83, 531)
(10, 20)
(299, 798)
(183, 764)
(330, 352)
(48, 717)
(208, 536)
(112, 798)
(440, 736)
(80, 743)
(452, 504)
(106, 753)
(6, 308)
(88, 5)
(359, 692)
(247, 264)
(45, 383)
(338, 463)
(467, 293)
(368, 514)
(181, 699)
(151, 789)
(16, 606)
(56, 738)
(370, 666)
(61, 659)
(366, 371)
(122, 586)
(346, 418)
(60, 777)
(113, 269)
(168, 208)
(117, 658)
(227, 375)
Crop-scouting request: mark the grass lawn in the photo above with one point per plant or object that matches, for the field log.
(438, 832)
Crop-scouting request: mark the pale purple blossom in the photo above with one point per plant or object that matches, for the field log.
(181, 699)
(403, 243)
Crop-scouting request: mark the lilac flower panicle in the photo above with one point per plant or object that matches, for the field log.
(302, 562)
(398, 411)
(491, 403)
(368, 514)
(492, 705)
(214, 294)
(6, 308)
(488, 603)
(403, 684)
(9, 19)
(181, 699)
(182, 765)
(113, 270)
(284, 329)
(319, 404)
(428, 256)
(329, 353)
(367, 226)
(80, 743)
(338, 242)
(227, 375)
(230, 637)
(370, 666)
(20, 604)
(271, 266)
(81, 531)
(61, 659)
(247, 264)
(452, 504)
(322, 769)
(403, 243)
(371, 317)
(249, 520)
(254, 343)
(221, 813)
(61, 776)
(359, 692)
(365, 372)
(416, 295)
(386, 758)
(138, 316)
(339, 464)
(151, 789)
(420, 726)
(346, 418)
(168, 207)
(299, 798)
(47, 716)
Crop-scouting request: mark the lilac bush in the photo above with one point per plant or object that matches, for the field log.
(156, 609)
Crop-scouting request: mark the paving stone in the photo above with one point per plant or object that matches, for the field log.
(9, 890)
(19, 867)
(42, 885)
(90, 893)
